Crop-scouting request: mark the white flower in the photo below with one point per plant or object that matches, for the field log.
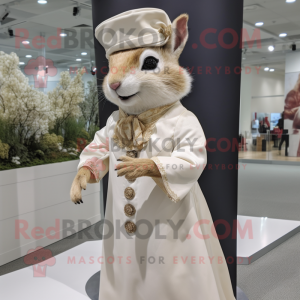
(64, 99)
(20, 104)
(15, 160)
(64, 150)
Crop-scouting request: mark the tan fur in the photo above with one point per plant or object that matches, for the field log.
(132, 168)
(122, 62)
(170, 44)
(80, 181)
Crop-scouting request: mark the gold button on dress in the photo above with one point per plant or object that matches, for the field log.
(130, 227)
(129, 193)
(129, 210)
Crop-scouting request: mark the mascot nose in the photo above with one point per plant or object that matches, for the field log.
(115, 85)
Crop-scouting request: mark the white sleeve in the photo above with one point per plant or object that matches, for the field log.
(95, 156)
(188, 159)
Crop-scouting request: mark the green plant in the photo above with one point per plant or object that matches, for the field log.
(70, 144)
(39, 154)
(4, 150)
(51, 141)
(92, 130)
(19, 150)
(7, 131)
(84, 135)
(74, 129)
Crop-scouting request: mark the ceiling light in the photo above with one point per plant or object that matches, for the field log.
(271, 48)
(28, 55)
(21, 63)
(290, 1)
(272, 70)
(83, 53)
(258, 24)
(78, 59)
(63, 34)
(266, 69)
(25, 42)
(282, 34)
(42, 1)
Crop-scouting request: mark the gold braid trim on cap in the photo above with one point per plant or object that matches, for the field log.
(166, 30)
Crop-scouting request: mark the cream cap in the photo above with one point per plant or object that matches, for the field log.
(143, 27)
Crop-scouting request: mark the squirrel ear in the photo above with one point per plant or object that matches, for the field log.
(179, 33)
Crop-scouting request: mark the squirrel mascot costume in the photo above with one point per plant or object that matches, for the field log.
(159, 242)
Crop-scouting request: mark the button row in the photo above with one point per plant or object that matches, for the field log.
(129, 194)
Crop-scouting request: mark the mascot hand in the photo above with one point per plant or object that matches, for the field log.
(80, 181)
(133, 168)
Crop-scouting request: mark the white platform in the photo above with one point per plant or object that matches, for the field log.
(63, 280)
(39, 197)
(266, 235)
(67, 280)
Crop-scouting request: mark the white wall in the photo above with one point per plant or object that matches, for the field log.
(245, 102)
(267, 84)
(292, 62)
(39, 196)
(261, 92)
(267, 104)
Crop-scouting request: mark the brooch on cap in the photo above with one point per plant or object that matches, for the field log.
(166, 30)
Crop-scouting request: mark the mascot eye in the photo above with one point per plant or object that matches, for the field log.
(150, 63)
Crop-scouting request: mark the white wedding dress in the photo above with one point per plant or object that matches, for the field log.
(157, 262)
